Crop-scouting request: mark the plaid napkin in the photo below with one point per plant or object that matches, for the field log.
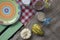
(26, 15)
(26, 12)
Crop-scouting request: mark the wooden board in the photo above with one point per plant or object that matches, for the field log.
(52, 32)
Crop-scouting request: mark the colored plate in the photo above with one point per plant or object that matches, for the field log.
(9, 12)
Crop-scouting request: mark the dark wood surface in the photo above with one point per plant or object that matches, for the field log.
(52, 32)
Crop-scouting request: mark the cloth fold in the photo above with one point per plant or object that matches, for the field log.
(26, 11)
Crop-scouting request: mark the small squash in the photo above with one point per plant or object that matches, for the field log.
(36, 28)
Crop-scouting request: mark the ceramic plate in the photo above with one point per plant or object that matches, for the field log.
(9, 12)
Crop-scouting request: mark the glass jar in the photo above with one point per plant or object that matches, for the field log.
(47, 3)
(42, 4)
(26, 2)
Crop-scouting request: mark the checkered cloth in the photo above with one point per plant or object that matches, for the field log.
(27, 12)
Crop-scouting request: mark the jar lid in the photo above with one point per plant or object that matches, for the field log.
(40, 16)
(39, 5)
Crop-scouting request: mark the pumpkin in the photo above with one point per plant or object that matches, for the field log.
(25, 33)
(37, 29)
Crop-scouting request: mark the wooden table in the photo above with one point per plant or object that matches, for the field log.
(52, 32)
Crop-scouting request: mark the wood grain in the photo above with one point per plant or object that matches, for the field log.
(52, 32)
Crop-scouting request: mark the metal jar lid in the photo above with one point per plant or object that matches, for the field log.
(39, 5)
(40, 16)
